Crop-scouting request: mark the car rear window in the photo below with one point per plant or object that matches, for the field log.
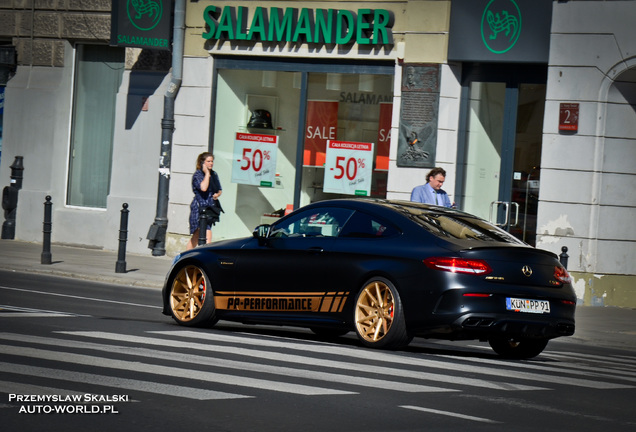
(463, 227)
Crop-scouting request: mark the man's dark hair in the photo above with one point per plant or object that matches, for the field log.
(434, 172)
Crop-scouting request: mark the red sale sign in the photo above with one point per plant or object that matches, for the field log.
(254, 161)
(384, 137)
(322, 125)
(348, 168)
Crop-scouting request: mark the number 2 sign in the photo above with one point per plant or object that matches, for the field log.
(254, 161)
(348, 168)
(569, 117)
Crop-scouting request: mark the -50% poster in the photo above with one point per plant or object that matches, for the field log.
(348, 168)
(254, 161)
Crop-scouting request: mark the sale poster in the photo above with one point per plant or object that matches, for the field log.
(348, 168)
(384, 137)
(322, 125)
(254, 161)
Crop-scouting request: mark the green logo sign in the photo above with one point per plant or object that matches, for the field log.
(500, 25)
(144, 14)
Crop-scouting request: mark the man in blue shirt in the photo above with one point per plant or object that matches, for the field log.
(431, 192)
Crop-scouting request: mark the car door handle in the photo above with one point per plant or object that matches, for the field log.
(316, 249)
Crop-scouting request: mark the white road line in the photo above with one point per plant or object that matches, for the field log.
(563, 368)
(615, 361)
(79, 297)
(15, 311)
(114, 382)
(185, 371)
(21, 388)
(449, 414)
(316, 362)
(496, 368)
(231, 364)
(34, 315)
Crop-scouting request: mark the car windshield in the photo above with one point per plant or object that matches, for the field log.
(459, 226)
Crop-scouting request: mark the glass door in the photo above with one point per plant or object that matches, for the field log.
(499, 159)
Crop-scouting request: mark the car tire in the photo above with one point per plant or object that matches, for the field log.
(191, 300)
(517, 348)
(379, 316)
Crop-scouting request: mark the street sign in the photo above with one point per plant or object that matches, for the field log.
(569, 117)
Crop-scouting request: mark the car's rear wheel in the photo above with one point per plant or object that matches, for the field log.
(379, 316)
(517, 348)
(191, 299)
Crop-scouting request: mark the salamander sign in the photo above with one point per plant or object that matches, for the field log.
(141, 24)
(320, 26)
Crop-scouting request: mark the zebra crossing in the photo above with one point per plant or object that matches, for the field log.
(214, 365)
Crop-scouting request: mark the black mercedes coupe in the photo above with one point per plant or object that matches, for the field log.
(387, 270)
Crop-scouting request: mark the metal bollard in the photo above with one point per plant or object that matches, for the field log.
(10, 199)
(120, 266)
(563, 258)
(203, 228)
(46, 230)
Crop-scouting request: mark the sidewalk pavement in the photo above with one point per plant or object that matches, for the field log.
(609, 327)
(84, 263)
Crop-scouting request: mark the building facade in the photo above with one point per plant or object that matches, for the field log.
(528, 105)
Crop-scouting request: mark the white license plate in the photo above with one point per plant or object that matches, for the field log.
(528, 306)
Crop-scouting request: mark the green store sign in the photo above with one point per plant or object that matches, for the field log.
(500, 25)
(141, 24)
(319, 26)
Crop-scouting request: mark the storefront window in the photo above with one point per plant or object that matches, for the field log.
(352, 108)
(99, 72)
(268, 124)
(1, 115)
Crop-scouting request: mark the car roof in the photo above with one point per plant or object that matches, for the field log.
(400, 206)
(449, 225)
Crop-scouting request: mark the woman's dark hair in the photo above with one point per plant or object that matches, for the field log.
(202, 157)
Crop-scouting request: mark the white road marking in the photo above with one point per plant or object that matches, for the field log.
(497, 367)
(187, 371)
(122, 383)
(79, 297)
(305, 360)
(449, 414)
(230, 364)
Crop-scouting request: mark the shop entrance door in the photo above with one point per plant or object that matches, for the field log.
(500, 146)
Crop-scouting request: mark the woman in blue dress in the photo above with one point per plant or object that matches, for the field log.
(207, 190)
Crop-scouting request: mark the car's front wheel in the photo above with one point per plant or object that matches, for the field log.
(517, 348)
(379, 316)
(191, 299)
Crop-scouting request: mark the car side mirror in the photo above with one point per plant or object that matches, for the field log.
(261, 233)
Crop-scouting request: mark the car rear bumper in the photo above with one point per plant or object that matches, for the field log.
(491, 325)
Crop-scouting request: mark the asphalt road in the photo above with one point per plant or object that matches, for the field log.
(131, 368)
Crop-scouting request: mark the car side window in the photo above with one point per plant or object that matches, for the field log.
(362, 225)
(317, 222)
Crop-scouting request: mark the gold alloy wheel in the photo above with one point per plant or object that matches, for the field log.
(188, 293)
(374, 311)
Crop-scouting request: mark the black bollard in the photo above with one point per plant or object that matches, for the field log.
(120, 267)
(563, 258)
(46, 230)
(10, 199)
(203, 228)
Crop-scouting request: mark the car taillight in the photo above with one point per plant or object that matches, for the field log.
(562, 275)
(459, 265)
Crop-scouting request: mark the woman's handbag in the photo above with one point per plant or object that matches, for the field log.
(212, 214)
